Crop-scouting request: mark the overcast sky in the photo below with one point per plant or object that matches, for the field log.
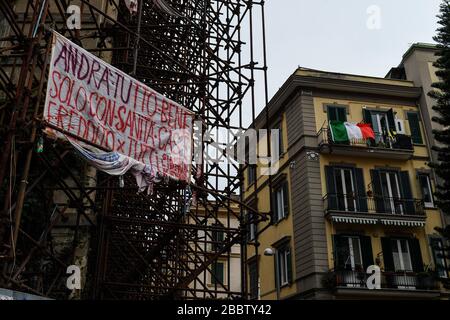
(333, 35)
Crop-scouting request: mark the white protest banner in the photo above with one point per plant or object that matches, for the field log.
(92, 100)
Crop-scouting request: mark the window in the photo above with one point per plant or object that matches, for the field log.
(392, 192)
(383, 124)
(414, 126)
(401, 255)
(280, 140)
(251, 174)
(281, 201)
(252, 227)
(217, 238)
(253, 275)
(284, 265)
(390, 187)
(218, 273)
(337, 113)
(437, 247)
(352, 252)
(345, 189)
(425, 188)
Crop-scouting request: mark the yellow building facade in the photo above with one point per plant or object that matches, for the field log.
(339, 207)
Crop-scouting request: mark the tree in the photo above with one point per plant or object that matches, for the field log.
(441, 94)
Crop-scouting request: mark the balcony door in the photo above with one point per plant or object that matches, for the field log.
(380, 125)
(352, 255)
(391, 192)
(345, 189)
(403, 264)
(402, 259)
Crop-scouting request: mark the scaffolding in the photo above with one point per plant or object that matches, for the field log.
(56, 210)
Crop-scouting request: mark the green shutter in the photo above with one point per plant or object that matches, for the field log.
(342, 114)
(414, 126)
(407, 193)
(377, 191)
(217, 273)
(388, 259)
(337, 113)
(331, 188)
(391, 120)
(366, 116)
(416, 255)
(274, 206)
(289, 264)
(286, 198)
(366, 251)
(360, 190)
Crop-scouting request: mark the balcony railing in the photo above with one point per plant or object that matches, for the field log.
(354, 203)
(381, 141)
(404, 280)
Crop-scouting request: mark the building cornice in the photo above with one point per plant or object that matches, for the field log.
(336, 83)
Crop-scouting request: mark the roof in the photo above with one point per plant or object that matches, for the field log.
(419, 46)
(334, 81)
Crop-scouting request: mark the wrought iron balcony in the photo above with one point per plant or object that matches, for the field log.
(404, 280)
(398, 147)
(353, 208)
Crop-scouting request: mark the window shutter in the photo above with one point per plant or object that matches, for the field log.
(280, 139)
(414, 125)
(391, 120)
(406, 193)
(360, 190)
(286, 198)
(377, 191)
(342, 114)
(274, 206)
(366, 251)
(341, 251)
(289, 264)
(331, 188)
(416, 255)
(366, 116)
(388, 259)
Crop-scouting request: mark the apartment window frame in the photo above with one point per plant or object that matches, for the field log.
(400, 244)
(281, 200)
(213, 274)
(330, 107)
(420, 134)
(443, 271)
(281, 148)
(284, 261)
(421, 175)
(217, 237)
(251, 174)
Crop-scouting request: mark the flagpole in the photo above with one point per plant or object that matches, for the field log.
(138, 31)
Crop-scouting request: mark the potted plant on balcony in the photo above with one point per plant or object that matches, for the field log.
(426, 279)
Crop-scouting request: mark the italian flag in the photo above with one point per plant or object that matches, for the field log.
(348, 131)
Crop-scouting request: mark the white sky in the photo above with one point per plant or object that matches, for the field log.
(332, 35)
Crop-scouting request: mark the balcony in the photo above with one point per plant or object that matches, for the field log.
(400, 148)
(355, 209)
(346, 281)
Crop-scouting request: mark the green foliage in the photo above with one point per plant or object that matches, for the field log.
(441, 94)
